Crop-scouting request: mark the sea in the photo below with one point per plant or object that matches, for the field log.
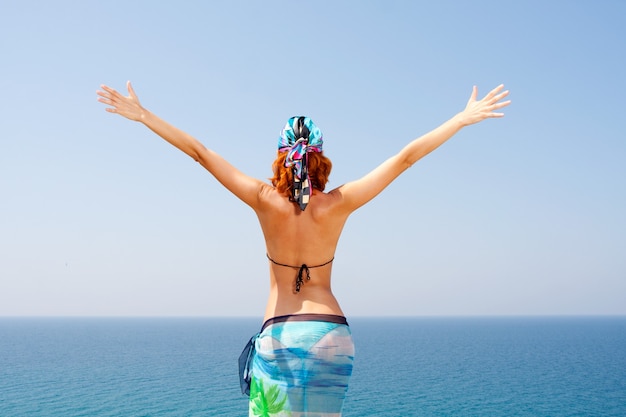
(421, 366)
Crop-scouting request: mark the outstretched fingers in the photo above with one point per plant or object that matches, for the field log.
(127, 106)
(494, 100)
(500, 96)
(493, 93)
(108, 92)
(485, 108)
(107, 97)
(500, 104)
(497, 106)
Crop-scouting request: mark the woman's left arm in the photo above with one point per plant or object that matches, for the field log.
(243, 186)
(357, 193)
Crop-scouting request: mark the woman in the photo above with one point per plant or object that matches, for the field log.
(301, 361)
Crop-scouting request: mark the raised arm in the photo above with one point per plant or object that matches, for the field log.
(357, 193)
(243, 186)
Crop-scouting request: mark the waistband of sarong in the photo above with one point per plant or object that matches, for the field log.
(330, 318)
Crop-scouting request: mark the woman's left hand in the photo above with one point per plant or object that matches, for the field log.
(479, 110)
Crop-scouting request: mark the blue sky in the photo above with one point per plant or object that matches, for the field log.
(520, 215)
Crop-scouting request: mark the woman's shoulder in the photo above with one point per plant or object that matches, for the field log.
(321, 202)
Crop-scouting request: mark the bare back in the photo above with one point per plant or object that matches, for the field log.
(295, 237)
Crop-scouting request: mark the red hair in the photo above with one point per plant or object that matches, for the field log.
(319, 171)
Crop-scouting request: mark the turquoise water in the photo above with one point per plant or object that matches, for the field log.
(404, 367)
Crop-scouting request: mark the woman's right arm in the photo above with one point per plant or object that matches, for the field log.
(243, 186)
(357, 193)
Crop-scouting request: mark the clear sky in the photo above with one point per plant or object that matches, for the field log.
(520, 215)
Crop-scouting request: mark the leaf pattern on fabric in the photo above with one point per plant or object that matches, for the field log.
(266, 401)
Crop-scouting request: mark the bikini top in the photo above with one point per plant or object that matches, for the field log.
(301, 270)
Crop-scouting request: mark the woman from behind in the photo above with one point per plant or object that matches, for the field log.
(300, 363)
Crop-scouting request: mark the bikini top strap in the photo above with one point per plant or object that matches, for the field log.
(301, 270)
(298, 267)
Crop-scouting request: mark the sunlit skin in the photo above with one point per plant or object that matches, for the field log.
(282, 221)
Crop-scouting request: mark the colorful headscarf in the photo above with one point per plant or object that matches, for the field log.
(299, 137)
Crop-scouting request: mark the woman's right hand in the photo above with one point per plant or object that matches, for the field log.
(128, 107)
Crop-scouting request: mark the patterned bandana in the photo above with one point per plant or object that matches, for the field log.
(299, 137)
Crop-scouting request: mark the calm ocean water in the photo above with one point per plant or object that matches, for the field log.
(404, 367)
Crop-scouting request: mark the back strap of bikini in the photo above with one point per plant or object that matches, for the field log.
(298, 267)
(301, 270)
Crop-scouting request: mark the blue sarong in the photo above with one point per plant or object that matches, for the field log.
(299, 366)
